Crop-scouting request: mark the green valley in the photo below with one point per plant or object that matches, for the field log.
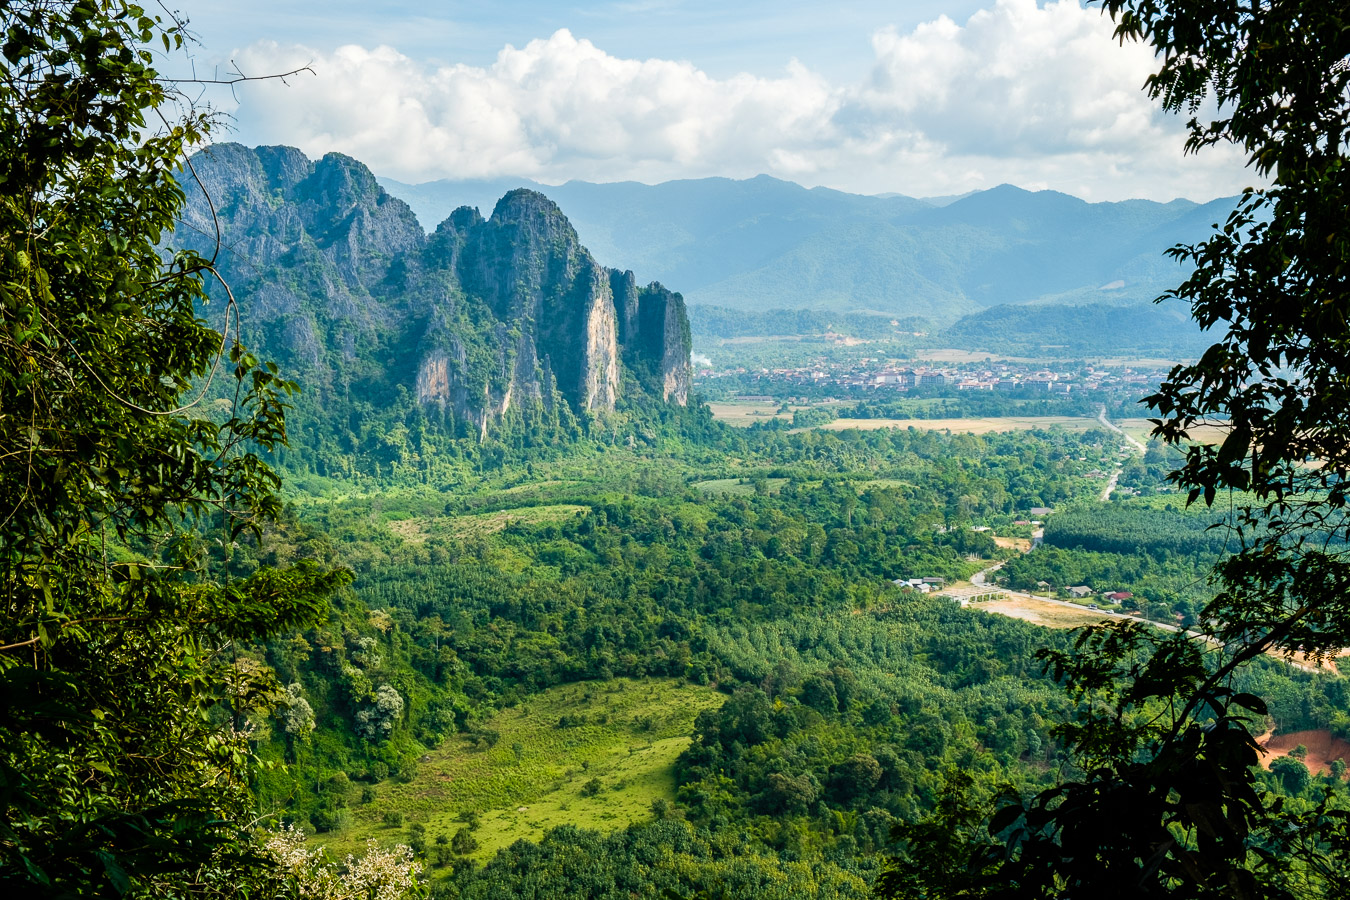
(592, 616)
(597, 755)
(357, 542)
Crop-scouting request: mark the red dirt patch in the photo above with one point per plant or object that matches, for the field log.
(1322, 748)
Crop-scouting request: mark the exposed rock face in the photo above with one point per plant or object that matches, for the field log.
(664, 334)
(625, 290)
(304, 244)
(338, 282)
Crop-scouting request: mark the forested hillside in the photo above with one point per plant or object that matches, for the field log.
(427, 574)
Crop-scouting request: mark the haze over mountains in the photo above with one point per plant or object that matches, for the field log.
(765, 244)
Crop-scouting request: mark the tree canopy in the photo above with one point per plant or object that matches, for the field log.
(123, 721)
(1165, 800)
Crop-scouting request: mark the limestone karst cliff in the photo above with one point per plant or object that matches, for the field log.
(337, 281)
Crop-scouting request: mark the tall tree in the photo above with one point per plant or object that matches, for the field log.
(1167, 802)
(123, 746)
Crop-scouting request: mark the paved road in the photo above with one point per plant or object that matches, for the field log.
(1115, 476)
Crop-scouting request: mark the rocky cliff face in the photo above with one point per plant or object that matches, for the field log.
(337, 281)
(664, 336)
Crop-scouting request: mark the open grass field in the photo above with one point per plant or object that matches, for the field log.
(623, 736)
(1134, 362)
(746, 412)
(419, 529)
(758, 339)
(953, 355)
(983, 425)
(882, 484)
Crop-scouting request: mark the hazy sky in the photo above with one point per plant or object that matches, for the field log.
(922, 98)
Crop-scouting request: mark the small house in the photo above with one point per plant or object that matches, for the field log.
(1080, 591)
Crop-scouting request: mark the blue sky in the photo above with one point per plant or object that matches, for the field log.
(722, 38)
(923, 97)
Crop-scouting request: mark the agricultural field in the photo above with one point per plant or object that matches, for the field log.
(747, 412)
(743, 486)
(983, 425)
(1142, 429)
(953, 355)
(593, 755)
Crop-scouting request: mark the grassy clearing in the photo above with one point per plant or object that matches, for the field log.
(419, 529)
(624, 735)
(719, 486)
(1142, 429)
(952, 355)
(723, 486)
(982, 425)
(882, 484)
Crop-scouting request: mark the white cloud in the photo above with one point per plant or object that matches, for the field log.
(1034, 95)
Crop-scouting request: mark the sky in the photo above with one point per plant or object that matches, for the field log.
(924, 98)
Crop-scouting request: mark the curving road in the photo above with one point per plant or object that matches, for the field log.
(1133, 441)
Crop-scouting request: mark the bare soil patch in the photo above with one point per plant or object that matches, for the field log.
(1322, 746)
(1042, 612)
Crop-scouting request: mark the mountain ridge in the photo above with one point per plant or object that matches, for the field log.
(337, 280)
(764, 243)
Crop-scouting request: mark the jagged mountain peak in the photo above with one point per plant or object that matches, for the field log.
(523, 203)
(339, 181)
(339, 283)
(462, 219)
(286, 167)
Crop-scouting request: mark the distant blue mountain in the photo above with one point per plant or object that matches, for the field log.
(766, 244)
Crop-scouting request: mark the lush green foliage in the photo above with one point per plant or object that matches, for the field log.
(946, 404)
(1159, 554)
(849, 699)
(122, 750)
(1168, 803)
(164, 611)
